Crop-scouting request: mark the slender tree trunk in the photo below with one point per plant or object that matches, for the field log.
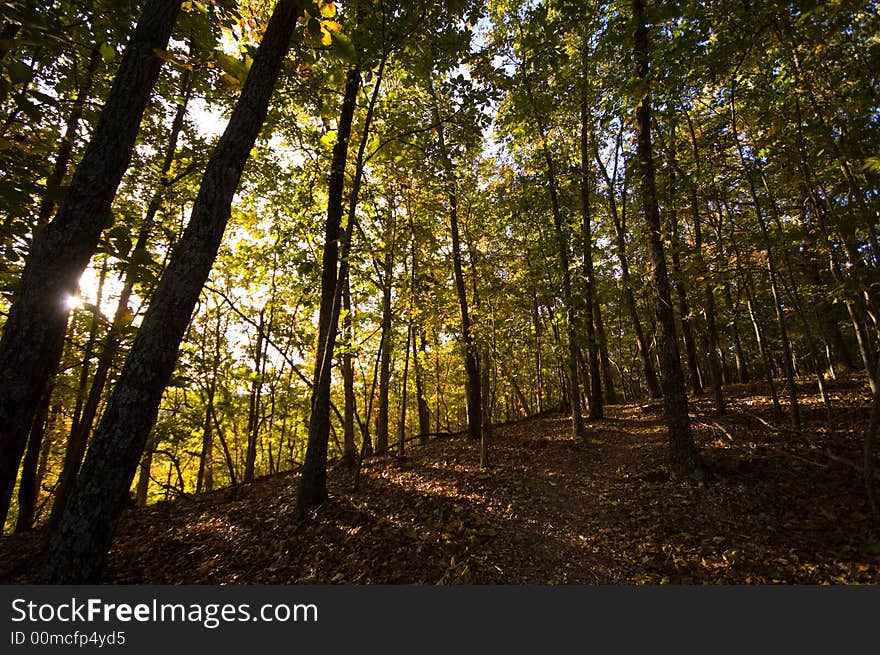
(29, 485)
(77, 550)
(401, 427)
(678, 283)
(471, 366)
(619, 219)
(349, 451)
(65, 148)
(33, 336)
(145, 468)
(78, 437)
(709, 306)
(312, 490)
(596, 410)
(772, 272)
(254, 404)
(685, 460)
(423, 409)
(563, 262)
(604, 358)
(385, 346)
(539, 361)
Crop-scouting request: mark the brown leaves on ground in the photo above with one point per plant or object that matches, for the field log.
(783, 508)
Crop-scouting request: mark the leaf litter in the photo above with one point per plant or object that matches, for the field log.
(782, 508)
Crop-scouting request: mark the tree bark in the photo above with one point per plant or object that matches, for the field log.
(29, 485)
(684, 458)
(563, 262)
(349, 450)
(619, 219)
(596, 410)
(385, 346)
(78, 549)
(33, 336)
(471, 365)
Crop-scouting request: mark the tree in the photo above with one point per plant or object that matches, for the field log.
(684, 458)
(34, 331)
(78, 548)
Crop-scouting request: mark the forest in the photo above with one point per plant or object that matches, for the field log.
(368, 291)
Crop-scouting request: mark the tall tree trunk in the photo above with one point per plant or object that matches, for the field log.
(423, 409)
(349, 450)
(678, 283)
(312, 490)
(29, 485)
(604, 358)
(82, 425)
(563, 262)
(596, 410)
(685, 460)
(401, 427)
(78, 438)
(77, 550)
(787, 365)
(253, 430)
(33, 336)
(619, 219)
(471, 366)
(709, 306)
(385, 346)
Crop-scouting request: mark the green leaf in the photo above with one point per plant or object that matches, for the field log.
(108, 52)
(342, 47)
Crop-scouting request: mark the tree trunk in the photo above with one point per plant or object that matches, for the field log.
(563, 262)
(712, 351)
(423, 409)
(685, 460)
(678, 283)
(253, 430)
(385, 361)
(33, 336)
(29, 486)
(604, 358)
(78, 438)
(349, 450)
(78, 548)
(772, 273)
(312, 490)
(471, 366)
(619, 219)
(401, 427)
(596, 410)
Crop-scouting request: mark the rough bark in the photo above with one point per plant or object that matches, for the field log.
(29, 485)
(313, 483)
(78, 549)
(33, 336)
(684, 458)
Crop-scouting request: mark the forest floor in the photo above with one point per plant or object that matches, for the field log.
(782, 508)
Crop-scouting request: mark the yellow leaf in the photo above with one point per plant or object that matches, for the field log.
(331, 26)
(328, 9)
(326, 39)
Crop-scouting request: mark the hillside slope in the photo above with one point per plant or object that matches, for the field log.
(782, 508)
